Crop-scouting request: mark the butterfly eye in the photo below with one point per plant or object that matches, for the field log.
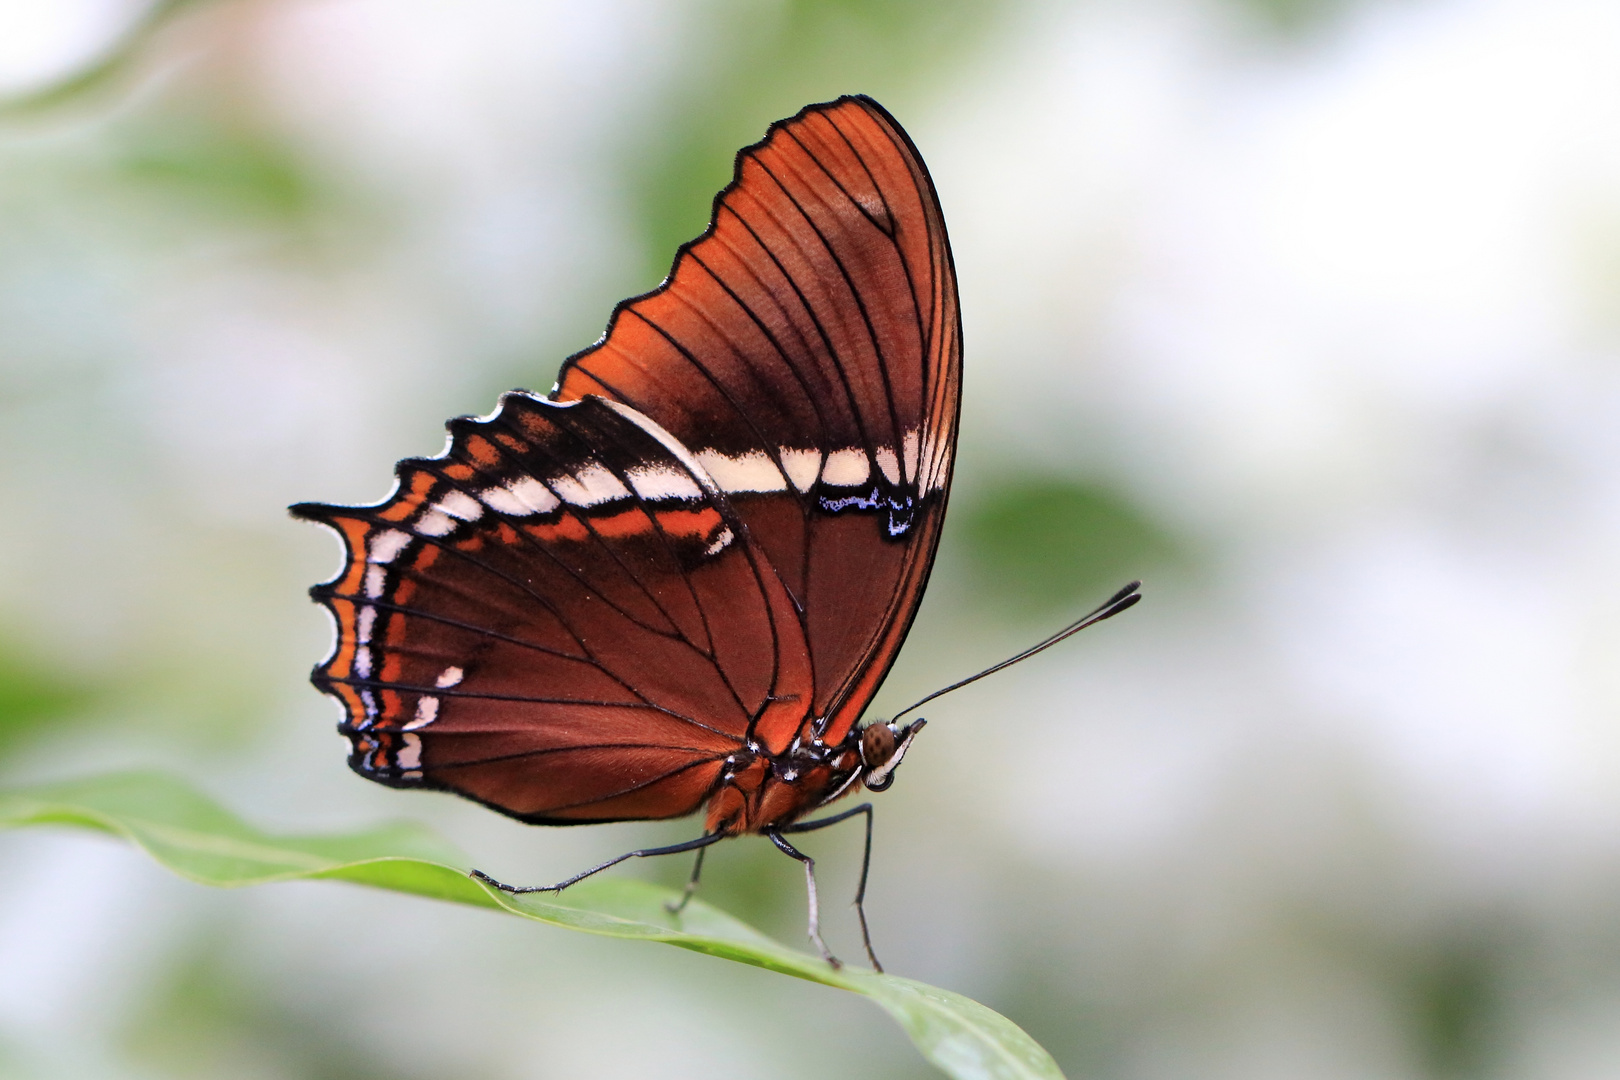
(882, 747)
(877, 746)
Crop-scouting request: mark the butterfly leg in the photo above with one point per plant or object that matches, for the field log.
(673, 849)
(691, 886)
(866, 865)
(810, 886)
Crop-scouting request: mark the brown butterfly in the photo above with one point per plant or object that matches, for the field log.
(677, 580)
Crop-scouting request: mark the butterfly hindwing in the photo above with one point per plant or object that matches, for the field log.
(560, 616)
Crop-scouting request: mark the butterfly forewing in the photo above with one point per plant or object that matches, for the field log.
(807, 349)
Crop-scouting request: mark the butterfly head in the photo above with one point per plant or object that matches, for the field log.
(883, 745)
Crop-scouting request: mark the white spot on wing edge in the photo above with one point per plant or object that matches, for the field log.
(908, 453)
(386, 546)
(935, 459)
(368, 619)
(502, 501)
(801, 466)
(434, 523)
(726, 536)
(848, 467)
(888, 463)
(676, 448)
(655, 482)
(590, 485)
(362, 662)
(376, 578)
(520, 497)
(535, 494)
(460, 505)
(752, 471)
(427, 711)
(410, 756)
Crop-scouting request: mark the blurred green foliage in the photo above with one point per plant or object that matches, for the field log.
(36, 695)
(206, 162)
(773, 61)
(210, 1019)
(1045, 543)
(1456, 1006)
(106, 70)
(750, 879)
(1296, 18)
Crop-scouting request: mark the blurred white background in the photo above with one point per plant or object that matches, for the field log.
(1306, 312)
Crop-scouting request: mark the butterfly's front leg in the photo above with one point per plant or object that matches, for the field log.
(866, 865)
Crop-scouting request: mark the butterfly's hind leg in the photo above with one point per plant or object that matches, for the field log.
(866, 866)
(810, 886)
(673, 849)
(678, 906)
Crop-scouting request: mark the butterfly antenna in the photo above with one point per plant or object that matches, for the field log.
(1125, 598)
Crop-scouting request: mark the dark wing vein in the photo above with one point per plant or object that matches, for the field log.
(782, 355)
(563, 566)
(775, 451)
(860, 304)
(586, 519)
(483, 631)
(739, 530)
(451, 549)
(636, 786)
(809, 308)
(925, 337)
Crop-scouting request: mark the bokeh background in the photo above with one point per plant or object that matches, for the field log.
(1305, 311)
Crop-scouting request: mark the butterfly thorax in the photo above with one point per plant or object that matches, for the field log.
(760, 790)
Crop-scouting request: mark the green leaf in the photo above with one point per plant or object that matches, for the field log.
(198, 839)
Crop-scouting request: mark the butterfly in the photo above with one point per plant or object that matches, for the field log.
(676, 581)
